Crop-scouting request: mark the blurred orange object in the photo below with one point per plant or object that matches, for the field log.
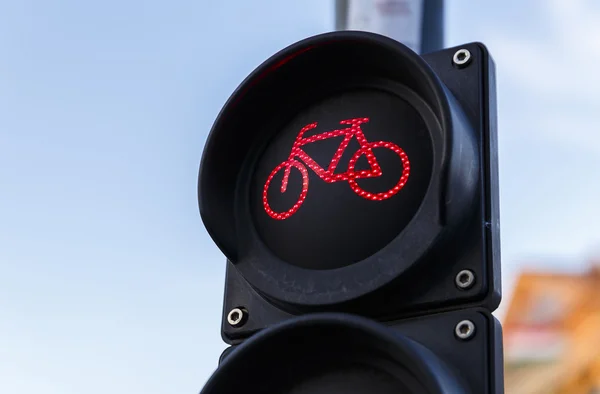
(552, 334)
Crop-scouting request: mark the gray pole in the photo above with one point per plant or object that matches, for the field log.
(341, 14)
(418, 24)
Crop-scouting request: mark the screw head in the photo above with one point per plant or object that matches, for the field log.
(462, 58)
(465, 329)
(464, 279)
(237, 317)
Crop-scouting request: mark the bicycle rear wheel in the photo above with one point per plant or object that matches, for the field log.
(283, 166)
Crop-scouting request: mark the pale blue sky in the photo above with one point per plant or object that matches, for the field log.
(108, 280)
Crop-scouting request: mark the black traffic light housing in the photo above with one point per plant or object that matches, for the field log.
(347, 174)
(330, 353)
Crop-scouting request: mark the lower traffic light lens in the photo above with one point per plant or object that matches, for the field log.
(332, 354)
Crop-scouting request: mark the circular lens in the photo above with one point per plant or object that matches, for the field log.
(342, 179)
(354, 379)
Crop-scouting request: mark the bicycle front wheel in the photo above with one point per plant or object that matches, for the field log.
(298, 202)
(399, 185)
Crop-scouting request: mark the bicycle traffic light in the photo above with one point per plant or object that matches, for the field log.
(352, 185)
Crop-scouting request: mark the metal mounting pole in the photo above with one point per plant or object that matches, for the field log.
(419, 24)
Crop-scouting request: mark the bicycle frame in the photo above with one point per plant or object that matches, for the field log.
(328, 175)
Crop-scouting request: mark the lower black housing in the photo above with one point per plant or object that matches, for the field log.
(332, 353)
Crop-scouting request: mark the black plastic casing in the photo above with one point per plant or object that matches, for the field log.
(474, 245)
(460, 229)
(474, 365)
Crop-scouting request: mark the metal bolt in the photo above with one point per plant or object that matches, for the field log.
(464, 329)
(462, 58)
(464, 279)
(237, 317)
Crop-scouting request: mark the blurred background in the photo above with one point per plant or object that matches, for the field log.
(109, 282)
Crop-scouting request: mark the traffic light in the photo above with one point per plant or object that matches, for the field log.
(353, 187)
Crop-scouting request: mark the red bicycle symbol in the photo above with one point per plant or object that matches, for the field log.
(299, 160)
